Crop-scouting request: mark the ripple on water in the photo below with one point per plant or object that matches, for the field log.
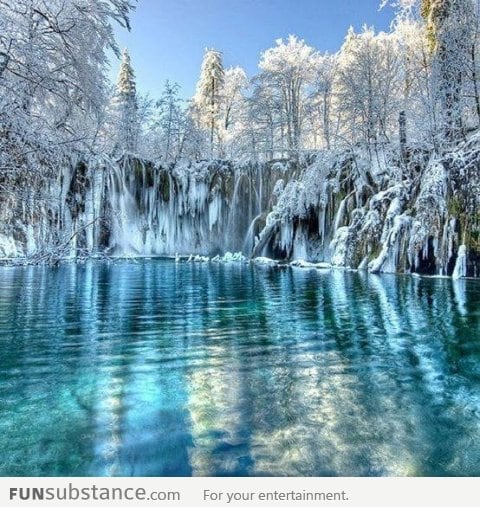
(157, 368)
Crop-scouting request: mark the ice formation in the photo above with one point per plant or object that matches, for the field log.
(352, 213)
(340, 209)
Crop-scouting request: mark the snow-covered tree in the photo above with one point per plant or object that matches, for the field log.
(236, 82)
(450, 33)
(472, 74)
(264, 122)
(418, 110)
(367, 86)
(169, 124)
(320, 105)
(208, 96)
(287, 69)
(233, 109)
(53, 85)
(125, 108)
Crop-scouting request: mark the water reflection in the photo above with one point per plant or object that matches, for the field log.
(157, 368)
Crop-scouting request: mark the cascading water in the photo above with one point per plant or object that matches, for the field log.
(203, 208)
(336, 208)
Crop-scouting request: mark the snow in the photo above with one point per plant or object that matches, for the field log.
(264, 261)
(389, 231)
(430, 210)
(228, 258)
(213, 211)
(195, 208)
(8, 247)
(339, 247)
(310, 265)
(393, 246)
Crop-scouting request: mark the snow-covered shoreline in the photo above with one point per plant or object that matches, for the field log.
(317, 212)
(259, 262)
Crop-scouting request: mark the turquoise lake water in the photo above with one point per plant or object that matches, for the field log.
(157, 368)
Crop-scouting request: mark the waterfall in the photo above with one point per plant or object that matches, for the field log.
(460, 270)
(134, 208)
(252, 234)
(332, 209)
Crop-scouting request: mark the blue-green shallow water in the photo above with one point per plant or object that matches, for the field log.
(157, 368)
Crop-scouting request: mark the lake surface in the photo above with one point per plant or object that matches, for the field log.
(156, 368)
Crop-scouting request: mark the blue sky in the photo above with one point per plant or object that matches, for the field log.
(168, 37)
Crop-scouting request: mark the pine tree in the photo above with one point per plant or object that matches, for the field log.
(125, 106)
(208, 96)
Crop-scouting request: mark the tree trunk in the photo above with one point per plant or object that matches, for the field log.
(402, 126)
(475, 82)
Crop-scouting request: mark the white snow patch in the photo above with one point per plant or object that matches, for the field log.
(310, 265)
(8, 247)
(265, 261)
